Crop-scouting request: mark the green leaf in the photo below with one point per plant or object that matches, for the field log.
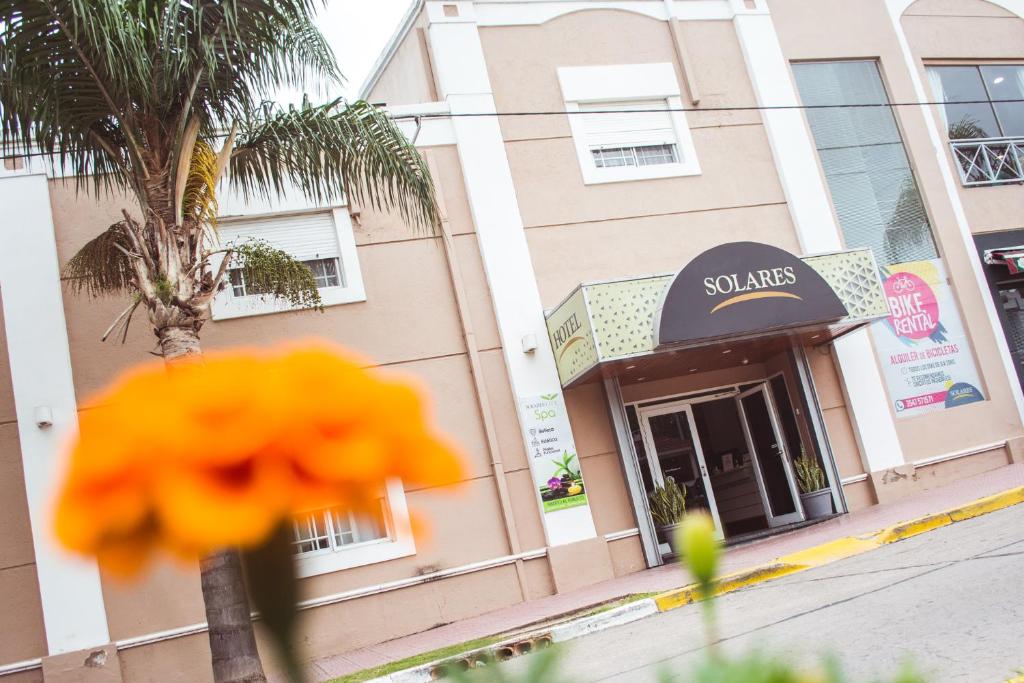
(274, 589)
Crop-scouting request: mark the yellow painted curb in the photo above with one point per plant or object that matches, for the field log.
(678, 597)
(842, 548)
(990, 504)
(839, 549)
(914, 527)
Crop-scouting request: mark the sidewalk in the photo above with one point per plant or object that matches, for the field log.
(667, 577)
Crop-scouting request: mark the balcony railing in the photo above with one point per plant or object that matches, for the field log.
(990, 161)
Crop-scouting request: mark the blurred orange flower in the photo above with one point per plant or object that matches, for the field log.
(217, 453)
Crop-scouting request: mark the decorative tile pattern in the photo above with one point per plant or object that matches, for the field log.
(854, 277)
(622, 314)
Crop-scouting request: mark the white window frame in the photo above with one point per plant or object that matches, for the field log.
(623, 83)
(398, 543)
(226, 306)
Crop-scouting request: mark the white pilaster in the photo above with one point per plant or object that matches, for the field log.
(896, 9)
(37, 343)
(462, 75)
(816, 226)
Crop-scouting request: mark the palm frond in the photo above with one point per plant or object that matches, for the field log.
(106, 87)
(199, 201)
(102, 266)
(331, 150)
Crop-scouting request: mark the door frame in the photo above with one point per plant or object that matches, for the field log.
(764, 388)
(654, 459)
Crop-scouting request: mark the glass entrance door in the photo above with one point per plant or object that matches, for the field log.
(771, 462)
(674, 450)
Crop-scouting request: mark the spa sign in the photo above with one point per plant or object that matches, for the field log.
(743, 288)
(922, 344)
(552, 452)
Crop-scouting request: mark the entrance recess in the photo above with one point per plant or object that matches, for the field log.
(674, 450)
(767, 448)
(677, 435)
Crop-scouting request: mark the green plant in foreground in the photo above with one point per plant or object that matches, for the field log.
(668, 502)
(809, 475)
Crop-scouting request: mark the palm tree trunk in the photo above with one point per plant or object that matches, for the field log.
(232, 639)
(178, 343)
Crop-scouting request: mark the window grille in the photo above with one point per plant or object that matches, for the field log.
(335, 529)
(326, 273)
(630, 133)
(310, 238)
(983, 109)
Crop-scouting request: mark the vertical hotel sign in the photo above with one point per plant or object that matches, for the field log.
(552, 452)
(572, 339)
(922, 344)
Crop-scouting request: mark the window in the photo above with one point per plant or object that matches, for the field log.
(638, 134)
(322, 240)
(984, 116)
(623, 123)
(326, 273)
(332, 530)
(980, 101)
(873, 188)
(331, 540)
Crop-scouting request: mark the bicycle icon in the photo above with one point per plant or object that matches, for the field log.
(902, 284)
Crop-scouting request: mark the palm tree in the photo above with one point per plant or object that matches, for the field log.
(157, 100)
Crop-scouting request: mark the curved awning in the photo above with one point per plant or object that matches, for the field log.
(764, 291)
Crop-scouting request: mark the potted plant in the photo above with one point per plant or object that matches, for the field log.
(668, 504)
(814, 492)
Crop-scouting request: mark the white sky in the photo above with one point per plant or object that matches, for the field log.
(358, 30)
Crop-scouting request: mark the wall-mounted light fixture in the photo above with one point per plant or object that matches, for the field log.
(529, 343)
(44, 417)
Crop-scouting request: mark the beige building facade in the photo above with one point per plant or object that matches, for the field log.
(686, 239)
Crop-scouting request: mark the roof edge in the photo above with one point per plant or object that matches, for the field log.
(401, 31)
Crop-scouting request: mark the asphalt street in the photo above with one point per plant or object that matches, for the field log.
(950, 601)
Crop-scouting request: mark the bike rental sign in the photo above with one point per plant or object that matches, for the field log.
(926, 358)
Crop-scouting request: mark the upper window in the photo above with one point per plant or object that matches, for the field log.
(323, 241)
(626, 122)
(980, 101)
(983, 111)
(873, 188)
(636, 134)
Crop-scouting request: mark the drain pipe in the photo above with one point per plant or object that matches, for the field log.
(682, 54)
(480, 388)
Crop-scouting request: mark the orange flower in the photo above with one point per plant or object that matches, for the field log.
(218, 453)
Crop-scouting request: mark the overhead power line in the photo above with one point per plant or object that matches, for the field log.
(588, 112)
(778, 107)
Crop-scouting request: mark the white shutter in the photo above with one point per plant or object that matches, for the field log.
(304, 237)
(629, 128)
